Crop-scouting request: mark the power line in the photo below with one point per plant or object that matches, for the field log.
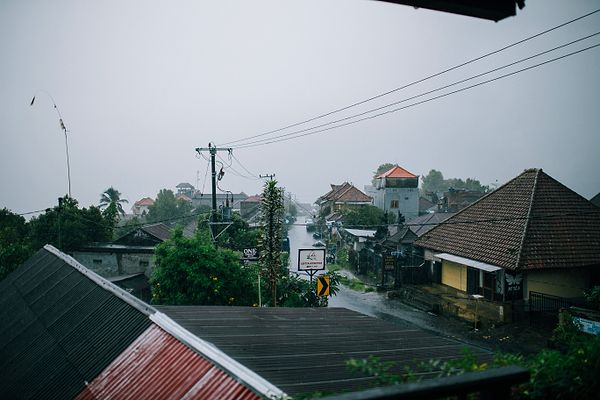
(424, 93)
(245, 169)
(418, 80)
(286, 137)
(481, 221)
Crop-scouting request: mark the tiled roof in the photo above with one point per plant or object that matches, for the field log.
(396, 172)
(533, 221)
(66, 333)
(146, 201)
(159, 230)
(253, 199)
(346, 193)
(596, 200)
(424, 223)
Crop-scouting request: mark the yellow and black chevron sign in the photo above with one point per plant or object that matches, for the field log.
(323, 285)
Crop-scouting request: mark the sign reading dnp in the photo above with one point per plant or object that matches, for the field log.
(311, 259)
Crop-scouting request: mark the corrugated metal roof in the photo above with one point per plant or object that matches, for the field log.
(165, 368)
(59, 329)
(64, 326)
(303, 350)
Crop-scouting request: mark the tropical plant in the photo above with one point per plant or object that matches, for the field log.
(194, 271)
(112, 204)
(272, 217)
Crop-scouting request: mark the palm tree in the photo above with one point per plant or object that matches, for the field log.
(112, 203)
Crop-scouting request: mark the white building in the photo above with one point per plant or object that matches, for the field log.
(396, 191)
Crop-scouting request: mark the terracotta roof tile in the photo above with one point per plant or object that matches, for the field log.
(396, 172)
(346, 192)
(533, 221)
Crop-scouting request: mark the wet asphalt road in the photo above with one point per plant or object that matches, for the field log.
(376, 304)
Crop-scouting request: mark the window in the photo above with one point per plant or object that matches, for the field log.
(97, 261)
(394, 204)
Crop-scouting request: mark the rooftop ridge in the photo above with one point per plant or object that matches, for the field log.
(527, 221)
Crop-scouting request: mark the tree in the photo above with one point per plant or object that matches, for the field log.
(364, 217)
(272, 216)
(168, 209)
(112, 205)
(237, 236)
(69, 227)
(14, 246)
(194, 271)
(434, 182)
(380, 170)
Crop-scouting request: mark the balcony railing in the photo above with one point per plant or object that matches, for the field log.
(493, 384)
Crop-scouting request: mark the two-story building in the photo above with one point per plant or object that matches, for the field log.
(396, 191)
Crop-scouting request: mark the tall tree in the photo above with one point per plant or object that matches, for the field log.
(272, 216)
(434, 182)
(112, 204)
(169, 209)
(194, 271)
(14, 246)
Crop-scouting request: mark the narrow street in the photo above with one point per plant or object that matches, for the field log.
(371, 303)
(376, 304)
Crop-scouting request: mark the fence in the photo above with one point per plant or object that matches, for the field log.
(543, 308)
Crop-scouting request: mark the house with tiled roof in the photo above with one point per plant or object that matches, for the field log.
(140, 207)
(533, 234)
(69, 333)
(396, 191)
(341, 197)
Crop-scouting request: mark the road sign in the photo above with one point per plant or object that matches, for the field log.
(323, 285)
(389, 263)
(311, 259)
(250, 254)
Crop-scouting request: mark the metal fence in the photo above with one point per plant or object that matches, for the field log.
(543, 308)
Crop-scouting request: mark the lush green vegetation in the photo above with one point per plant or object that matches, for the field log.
(194, 271)
(569, 371)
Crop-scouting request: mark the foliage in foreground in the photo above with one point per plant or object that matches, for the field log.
(193, 271)
(569, 373)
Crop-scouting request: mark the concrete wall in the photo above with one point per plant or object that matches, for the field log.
(110, 264)
(454, 275)
(407, 198)
(567, 283)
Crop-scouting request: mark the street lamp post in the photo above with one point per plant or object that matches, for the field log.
(64, 129)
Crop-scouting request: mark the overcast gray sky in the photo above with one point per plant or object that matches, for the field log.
(140, 84)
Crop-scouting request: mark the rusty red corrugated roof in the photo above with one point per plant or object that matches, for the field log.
(157, 365)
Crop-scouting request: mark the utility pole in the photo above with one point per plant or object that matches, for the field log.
(212, 150)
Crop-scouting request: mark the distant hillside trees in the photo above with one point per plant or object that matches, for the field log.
(434, 182)
(168, 209)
